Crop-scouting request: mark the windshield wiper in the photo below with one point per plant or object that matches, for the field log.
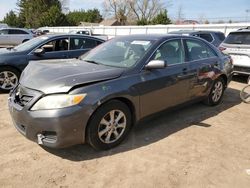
(91, 61)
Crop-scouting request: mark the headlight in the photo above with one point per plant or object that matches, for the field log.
(58, 101)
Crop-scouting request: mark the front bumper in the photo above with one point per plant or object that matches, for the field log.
(52, 128)
(241, 70)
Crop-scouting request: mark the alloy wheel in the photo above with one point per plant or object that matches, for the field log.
(8, 80)
(217, 91)
(112, 126)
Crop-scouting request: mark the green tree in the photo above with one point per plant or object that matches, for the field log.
(53, 17)
(161, 18)
(12, 19)
(33, 12)
(75, 17)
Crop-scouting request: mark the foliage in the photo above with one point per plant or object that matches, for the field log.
(53, 17)
(161, 18)
(12, 19)
(32, 13)
(75, 17)
(142, 12)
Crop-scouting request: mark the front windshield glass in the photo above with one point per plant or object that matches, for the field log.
(30, 44)
(118, 52)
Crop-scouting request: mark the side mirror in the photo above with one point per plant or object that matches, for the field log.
(39, 51)
(156, 64)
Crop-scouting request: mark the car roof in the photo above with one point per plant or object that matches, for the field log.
(241, 31)
(15, 28)
(50, 36)
(153, 36)
(193, 31)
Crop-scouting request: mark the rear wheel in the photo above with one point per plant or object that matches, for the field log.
(216, 93)
(245, 94)
(109, 125)
(9, 78)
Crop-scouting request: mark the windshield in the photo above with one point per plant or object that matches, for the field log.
(30, 44)
(118, 52)
(238, 38)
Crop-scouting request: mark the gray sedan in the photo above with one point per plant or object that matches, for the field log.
(98, 98)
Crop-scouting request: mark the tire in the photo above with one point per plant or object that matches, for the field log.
(9, 78)
(102, 133)
(216, 94)
(245, 94)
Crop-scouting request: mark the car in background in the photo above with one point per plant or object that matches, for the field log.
(3, 25)
(237, 45)
(14, 36)
(90, 33)
(214, 37)
(97, 98)
(14, 60)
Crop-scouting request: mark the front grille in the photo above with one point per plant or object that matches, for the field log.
(242, 69)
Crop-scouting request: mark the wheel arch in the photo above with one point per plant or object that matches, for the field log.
(124, 100)
(11, 67)
(225, 79)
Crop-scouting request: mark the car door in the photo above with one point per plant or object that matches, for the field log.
(202, 60)
(81, 45)
(4, 37)
(54, 49)
(163, 88)
(17, 36)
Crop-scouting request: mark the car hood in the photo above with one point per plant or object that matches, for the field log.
(59, 76)
(6, 52)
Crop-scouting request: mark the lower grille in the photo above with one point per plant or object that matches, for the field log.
(241, 69)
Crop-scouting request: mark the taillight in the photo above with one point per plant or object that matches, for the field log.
(222, 48)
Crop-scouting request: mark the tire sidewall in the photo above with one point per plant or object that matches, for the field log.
(92, 129)
(210, 101)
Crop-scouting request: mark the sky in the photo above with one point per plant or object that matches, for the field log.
(197, 9)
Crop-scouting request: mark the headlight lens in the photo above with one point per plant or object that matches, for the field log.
(58, 101)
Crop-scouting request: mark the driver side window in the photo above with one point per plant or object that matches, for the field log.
(56, 45)
(170, 52)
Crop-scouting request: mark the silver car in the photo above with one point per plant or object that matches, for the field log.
(237, 45)
(14, 36)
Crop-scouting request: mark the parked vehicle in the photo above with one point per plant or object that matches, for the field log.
(214, 37)
(89, 32)
(14, 36)
(100, 96)
(2, 25)
(237, 45)
(14, 60)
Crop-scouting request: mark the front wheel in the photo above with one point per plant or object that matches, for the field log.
(216, 93)
(109, 125)
(9, 78)
(245, 94)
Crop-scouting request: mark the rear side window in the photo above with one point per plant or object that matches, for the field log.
(221, 36)
(238, 38)
(82, 43)
(4, 32)
(198, 50)
(170, 52)
(17, 32)
(206, 36)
